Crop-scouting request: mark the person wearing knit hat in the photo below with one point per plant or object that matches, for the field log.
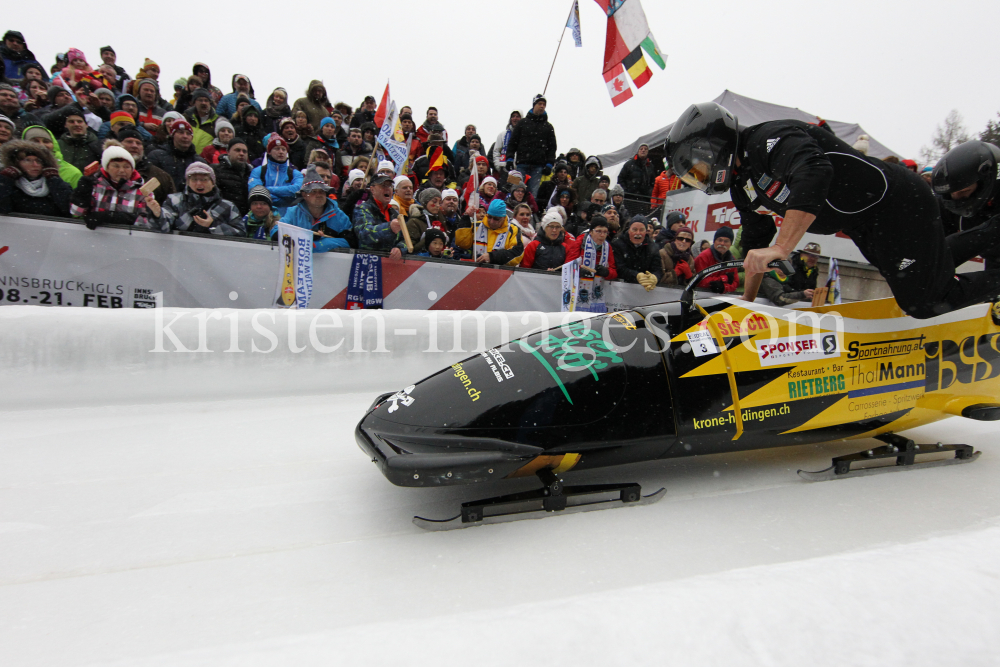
(386, 168)
(495, 240)
(316, 212)
(354, 176)
(726, 281)
(677, 258)
(402, 189)
(112, 195)
(178, 152)
(7, 129)
(261, 218)
(200, 207)
(150, 111)
(41, 135)
(551, 248)
(232, 173)
(224, 133)
(424, 215)
(277, 174)
(434, 243)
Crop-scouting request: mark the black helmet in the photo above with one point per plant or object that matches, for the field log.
(972, 163)
(701, 147)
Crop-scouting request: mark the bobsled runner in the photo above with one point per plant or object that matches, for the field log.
(685, 378)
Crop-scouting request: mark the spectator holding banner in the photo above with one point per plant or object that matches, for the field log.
(376, 223)
(604, 260)
(317, 212)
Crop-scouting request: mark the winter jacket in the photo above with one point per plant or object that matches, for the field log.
(81, 151)
(13, 200)
(371, 225)
(315, 112)
(178, 213)
(260, 229)
(637, 176)
(99, 201)
(513, 248)
(609, 272)
(232, 181)
(67, 172)
(804, 277)
(669, 259)
(149, 172)
(501, 148)
(281, 179)
(333, 222)
(346, 155)
(175, 162)
(662, 185)
(319, 143)
(729, 278)
(533, 141)
(780, 292)
(213, 153)
(204, 131)
(227, 105)
(575, 168)
(253, 135)
(152, 114)
(585, 184)
(544, 253)
(297, 153)
(631, 260)
(14, 62)
(419, 221)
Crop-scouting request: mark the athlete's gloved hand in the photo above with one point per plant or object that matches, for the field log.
(717, 286)
(683, 270)
(547, 170)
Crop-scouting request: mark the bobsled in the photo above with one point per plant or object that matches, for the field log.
(685, 378)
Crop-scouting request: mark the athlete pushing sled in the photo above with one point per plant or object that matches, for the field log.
(820, 184)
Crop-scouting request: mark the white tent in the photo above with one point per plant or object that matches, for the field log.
(751, 112)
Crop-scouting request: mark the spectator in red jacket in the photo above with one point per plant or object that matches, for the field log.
(724, 281)
(666, 182)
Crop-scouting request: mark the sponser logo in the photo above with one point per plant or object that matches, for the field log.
(796, 349)
(884, 348)
(749, 415)
(974, 359)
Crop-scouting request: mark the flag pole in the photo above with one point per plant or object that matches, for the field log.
(561, 35)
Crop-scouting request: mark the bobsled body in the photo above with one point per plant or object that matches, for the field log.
(670, 380)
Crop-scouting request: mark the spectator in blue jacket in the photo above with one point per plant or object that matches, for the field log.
(315, 211)
(278, 175)
(227, 105)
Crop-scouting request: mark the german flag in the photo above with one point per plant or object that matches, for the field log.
(635, 65)
(437, 159)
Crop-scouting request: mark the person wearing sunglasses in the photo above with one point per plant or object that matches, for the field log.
(678, 259)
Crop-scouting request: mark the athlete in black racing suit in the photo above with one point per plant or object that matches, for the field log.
(820, 184)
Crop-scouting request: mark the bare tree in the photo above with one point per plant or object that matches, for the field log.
(992, 132)
(949, 134)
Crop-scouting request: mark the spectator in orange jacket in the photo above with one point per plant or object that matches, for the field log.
(666, 182)
(724, 281)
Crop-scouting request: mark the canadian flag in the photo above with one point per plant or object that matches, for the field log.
(618, 86)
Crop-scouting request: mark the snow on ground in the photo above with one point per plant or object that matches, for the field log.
(189, 527)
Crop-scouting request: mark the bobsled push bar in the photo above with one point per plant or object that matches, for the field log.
(552, 499)
(897, 447)
(687, 297)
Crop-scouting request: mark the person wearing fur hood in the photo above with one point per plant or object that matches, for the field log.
(112, 195)
(30, 182)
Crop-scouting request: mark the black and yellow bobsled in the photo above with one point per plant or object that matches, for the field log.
(682, 379)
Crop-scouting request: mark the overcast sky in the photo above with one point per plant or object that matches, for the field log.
(896, 67)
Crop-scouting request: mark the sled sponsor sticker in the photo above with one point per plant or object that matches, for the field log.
(497, 364)
(796, 349)
(751, 193)
(401, 397)
(466, 381)
(702, 343)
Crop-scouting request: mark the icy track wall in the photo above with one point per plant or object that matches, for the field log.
(81, 356)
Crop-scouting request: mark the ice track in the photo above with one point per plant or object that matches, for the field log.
(149, 517)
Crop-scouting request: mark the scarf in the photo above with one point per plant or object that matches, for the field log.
(482, 236)
(404, 204)
(278, 112)
(591, 290)
(36, 188)
(678, 254)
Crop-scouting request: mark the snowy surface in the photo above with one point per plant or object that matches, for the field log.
(191, 528)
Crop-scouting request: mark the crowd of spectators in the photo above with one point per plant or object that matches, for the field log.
(101, 145)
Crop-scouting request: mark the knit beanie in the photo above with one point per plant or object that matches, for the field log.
(399, 179)
(180, 125)
(35, 131)
(116, 153)
(354, 175)
(129, 133)
(432, 233)
(73, 54)
(385, 164)
(121, 117)
(449, 193)
(326, 121)
(550, 217)
(259, 193)
(598, 220)
(146, 82)
(275, 141)
(180, 83)
(221, 123)
(235, 141)
(4, 119)
(199, 93)
(313, 181)
(172, 115)
(682, 230)
(427, 195)
(149, 62)
(199, 168)
(723, 232)
(497, 209)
